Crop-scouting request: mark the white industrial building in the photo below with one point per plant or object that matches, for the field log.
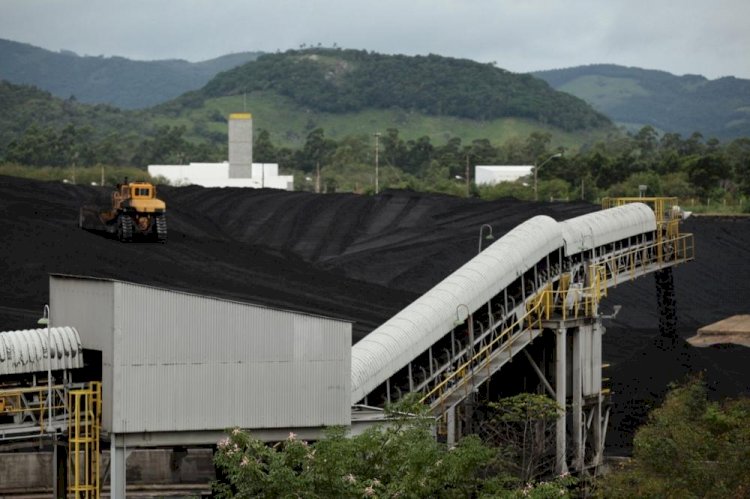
(239, 171)
(490, 175)
(179, 368)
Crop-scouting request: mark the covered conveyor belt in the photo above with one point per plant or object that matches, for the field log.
(539, 265)
(25, 351)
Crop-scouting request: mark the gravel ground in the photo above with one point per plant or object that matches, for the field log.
(363, 259)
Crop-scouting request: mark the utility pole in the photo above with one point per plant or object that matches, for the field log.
(468, 180)
(377, 165)
(317, 177)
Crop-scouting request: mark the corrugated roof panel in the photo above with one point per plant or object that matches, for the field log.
(25, 351)
(390, 347)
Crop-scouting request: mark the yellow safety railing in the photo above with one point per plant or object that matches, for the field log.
(663, 252)
(568, 302)
(662, 206)
(578, 302)
(484, 353)
(84, 429)
(31, 401)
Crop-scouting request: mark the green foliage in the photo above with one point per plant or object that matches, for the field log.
(524, 427)
(79, 175)
(681, 104)
(345, 81)
(706, 175)
(401, 459)
(518, 189)
(691, 447)
(109, 80)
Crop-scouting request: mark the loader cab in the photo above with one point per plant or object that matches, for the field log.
(142, 191)
(128, 193)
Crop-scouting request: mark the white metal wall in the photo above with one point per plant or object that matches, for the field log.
(87, 305)
(184, 362)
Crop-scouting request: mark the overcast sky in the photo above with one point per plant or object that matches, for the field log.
(711, 38)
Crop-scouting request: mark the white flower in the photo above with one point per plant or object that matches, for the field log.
(223, 443)
(245, 461)
(236, 431)
(350, 478)
(369, 491)
(292, 436)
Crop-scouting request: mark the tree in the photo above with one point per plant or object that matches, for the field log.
(263, 149)
(707, 172)
(524, 425)
(167, 146)
(738, 156)
(399, 459)
(316, 151)
(690, 447)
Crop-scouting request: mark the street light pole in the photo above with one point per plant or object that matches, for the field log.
(45, 321)
(377, 151)
(536, 169)
(489, 237)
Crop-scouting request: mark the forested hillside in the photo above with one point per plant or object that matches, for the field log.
(115, 81)
(344, 81)
(681, 104)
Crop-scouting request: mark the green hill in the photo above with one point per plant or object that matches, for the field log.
(346, 93)
(23, 106)
(115, 81)
(347, 81)
(683, 104)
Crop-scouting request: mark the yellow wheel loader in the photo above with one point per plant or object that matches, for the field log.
(136, 213)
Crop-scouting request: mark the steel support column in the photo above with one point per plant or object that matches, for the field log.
(598, 430)
(561, 465)
(117, 482)
(578, 423)
(451, 424)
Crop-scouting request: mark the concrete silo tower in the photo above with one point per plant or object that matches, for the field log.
(240, 145)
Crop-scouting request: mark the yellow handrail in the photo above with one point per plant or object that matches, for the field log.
(585, 300)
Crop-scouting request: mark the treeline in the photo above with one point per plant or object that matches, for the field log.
(344, 81)
(671, 165)
(690, 447)
(82, 146)
(668, 165)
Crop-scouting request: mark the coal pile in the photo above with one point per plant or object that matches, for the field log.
(363, 259)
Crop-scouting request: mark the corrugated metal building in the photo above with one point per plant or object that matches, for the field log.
(179, 368)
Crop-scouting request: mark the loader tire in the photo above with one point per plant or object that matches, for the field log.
(124, 228)
(160, 225)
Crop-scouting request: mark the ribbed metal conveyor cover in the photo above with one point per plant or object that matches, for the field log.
(25, 351)
(402, 338)
(607, 226)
